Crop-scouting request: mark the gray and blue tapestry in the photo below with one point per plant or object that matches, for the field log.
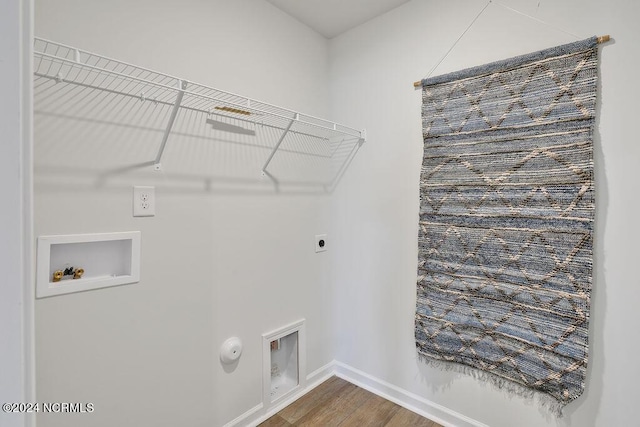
(506, 221)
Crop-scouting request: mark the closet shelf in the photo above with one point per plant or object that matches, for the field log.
(55, 63)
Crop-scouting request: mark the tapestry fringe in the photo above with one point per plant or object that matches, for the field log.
(545, 401)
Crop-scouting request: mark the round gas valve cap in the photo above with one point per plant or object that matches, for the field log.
(230, 350)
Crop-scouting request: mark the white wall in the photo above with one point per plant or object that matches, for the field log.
(376, 208)
(15, 292)
(10, 214)
(233, 258)
(220, 262)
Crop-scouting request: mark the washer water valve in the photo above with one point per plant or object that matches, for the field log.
(70, 271)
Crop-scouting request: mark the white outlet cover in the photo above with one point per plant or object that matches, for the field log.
(144, 201)
(321, 242)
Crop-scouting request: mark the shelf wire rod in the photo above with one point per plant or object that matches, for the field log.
(118, 134)
(197, 104)
(47, 78)
(51, 63)
(96, 104)
(318, 159)
(257, 123)
(195, 94)
(182, 84)
(37, 63)
(136, 112)
(67, 89)
(108, 119)
(335, 150)
(97, 101)
(53, 89)
(106, 74)
(159, 115)
(187, 150)
(86, 105)
(111, 91)
(124, 134)
(89, 74)
(115, 104)
(64, 97)
(275, 148)
(318, 149)
(154, 93)
(275, 115)
(147, 76)
(279, 110)
(109, 73)
(248, 144)
(200, 124)
(343, 167)
(200, 104)
(207, 103)
(129, 86)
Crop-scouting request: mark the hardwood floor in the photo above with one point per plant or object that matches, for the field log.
(337, 402)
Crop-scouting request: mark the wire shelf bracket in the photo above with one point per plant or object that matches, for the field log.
(182, 85)
(275, 148)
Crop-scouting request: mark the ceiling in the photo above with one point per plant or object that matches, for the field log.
(333, 17)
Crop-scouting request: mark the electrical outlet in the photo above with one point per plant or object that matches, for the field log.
(144, 201)
(321, 242)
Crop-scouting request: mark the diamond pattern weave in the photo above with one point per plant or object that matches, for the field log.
(506, 219)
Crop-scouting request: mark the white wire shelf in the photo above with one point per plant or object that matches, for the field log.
(71, 81)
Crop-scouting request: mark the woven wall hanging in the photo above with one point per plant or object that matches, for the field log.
(506, 221)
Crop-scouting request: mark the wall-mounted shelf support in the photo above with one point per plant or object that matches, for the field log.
(275, 148)
(182, 86)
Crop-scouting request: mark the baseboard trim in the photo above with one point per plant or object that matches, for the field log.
(259, 414)
(251, 413)
(410, 401)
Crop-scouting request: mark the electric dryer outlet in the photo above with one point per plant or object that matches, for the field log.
(321, 242)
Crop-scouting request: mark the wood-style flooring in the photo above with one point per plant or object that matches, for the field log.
(337, 402)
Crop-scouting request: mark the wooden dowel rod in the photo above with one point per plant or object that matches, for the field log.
(601, 39)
